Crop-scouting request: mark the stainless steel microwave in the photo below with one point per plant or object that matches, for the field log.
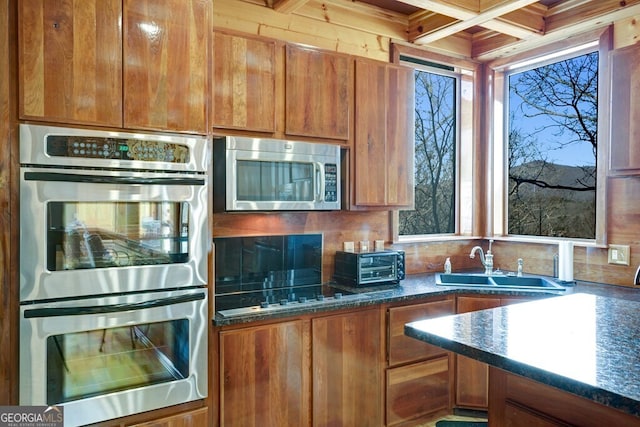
(258, 174)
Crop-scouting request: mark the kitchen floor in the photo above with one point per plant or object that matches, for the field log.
(451, 418)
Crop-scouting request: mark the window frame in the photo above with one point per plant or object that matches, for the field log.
(467, 148)
(498, 93)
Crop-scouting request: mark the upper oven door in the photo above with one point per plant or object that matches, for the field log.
(91, 232)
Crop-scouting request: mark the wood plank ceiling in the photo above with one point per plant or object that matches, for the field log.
(478, 29)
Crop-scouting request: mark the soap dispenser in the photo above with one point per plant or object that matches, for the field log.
(447, 266)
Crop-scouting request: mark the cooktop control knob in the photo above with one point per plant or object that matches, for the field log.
(284, 301)
(302, 299)
(337, 295)
(264, 304)
(320, 297)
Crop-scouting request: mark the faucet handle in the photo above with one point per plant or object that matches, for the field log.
(490, 243)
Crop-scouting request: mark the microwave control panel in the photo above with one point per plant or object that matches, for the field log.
(330, 182)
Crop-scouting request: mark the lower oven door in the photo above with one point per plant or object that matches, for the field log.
(104, 358)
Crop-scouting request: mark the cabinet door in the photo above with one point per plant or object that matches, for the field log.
(472, 377)
(417, 390)
(165, 64)
(317, 93)
(383, 146)
(625, 110)
(70, 61)
(195, 418)
(348, 364)
(244, 83)
(264, 375)
(404, 349)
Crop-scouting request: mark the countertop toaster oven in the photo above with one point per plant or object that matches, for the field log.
(369, 268)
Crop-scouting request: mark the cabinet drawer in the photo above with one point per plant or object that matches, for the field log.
(418, 389)
(403, 349)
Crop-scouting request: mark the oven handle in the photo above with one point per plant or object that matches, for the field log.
(97, 179)
(114, 308)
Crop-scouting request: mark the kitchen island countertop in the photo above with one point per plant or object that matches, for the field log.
(585, 344)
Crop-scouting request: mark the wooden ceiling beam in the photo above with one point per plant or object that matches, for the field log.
(288, 6)
(592, 17)
(466, 18)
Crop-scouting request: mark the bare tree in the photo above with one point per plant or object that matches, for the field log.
(435, 135)
(562, 99)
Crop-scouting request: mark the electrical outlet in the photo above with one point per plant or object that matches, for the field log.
(619, 254)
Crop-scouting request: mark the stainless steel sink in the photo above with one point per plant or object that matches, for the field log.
(496, 281)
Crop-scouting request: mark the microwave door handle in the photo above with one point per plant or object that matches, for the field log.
(113, 308)
(319, 183)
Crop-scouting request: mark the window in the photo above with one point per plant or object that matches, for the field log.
(551, 146)
(439, 103)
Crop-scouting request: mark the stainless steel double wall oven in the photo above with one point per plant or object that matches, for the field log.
(113, 270)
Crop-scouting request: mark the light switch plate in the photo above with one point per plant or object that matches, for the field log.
(619, 254)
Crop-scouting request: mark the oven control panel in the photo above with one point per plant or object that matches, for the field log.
(91, 147)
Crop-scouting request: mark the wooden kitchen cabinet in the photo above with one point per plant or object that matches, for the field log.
(382, 154)
(71, 67)
(472, 377)
(318, 93)
(166, 64)
(519, 401)
(625, 110)
(348, 365)
(70, 61)
(244, 76)
(196, 418)
(264, 375)
(419, 377)
(404, 349)
(266, 86)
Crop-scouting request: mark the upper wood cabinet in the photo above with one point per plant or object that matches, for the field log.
(382, 175)
(71, 65)
(270, 87)
(625, 111)
(318, 87)
(244, 89)
(166, 64)
(70, 61)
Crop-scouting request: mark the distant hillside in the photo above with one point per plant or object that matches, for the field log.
(553, 174)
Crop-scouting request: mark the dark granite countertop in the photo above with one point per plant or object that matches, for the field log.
(583, 343)
(414, 287)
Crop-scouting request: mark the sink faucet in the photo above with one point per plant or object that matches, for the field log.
(486, 260)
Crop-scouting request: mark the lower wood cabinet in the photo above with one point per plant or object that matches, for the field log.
(320, 371)
(472, 377)
(518, 401)
(196, 418)
(264, 375)
(348, 363)
(419, 376)
(418, 390)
